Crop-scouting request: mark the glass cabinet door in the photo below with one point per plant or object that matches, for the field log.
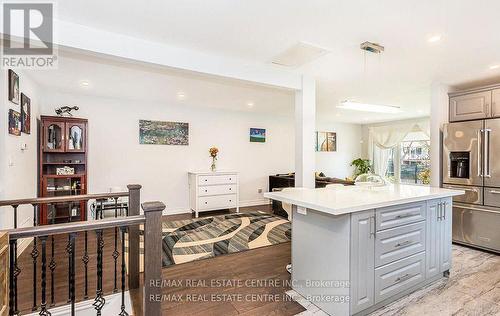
(54, 136)
(75, 137)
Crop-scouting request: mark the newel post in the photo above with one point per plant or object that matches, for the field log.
(152, 258)
(134, 208)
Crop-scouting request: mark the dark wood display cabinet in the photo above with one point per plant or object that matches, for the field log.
(62, 167)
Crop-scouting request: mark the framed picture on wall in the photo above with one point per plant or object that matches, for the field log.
(25, 114)
(13, 87)
(326, 141)
(257, 135)
(14, 123)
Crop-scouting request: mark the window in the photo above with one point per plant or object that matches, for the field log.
(409, 161)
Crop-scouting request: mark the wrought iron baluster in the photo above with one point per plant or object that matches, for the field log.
(116, 254)
(43, 305)
(85, 260)
(71, 271)
(69, 250)
(99, 300)
(102, 209)
(15, 215)
(34, 256)
(52, 264)
(123, 272)
(12, 264)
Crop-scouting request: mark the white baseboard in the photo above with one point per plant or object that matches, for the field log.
(244, 203)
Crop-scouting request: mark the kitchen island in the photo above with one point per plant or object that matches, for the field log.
(356, 249)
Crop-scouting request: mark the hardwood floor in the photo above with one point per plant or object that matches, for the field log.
(252, 282)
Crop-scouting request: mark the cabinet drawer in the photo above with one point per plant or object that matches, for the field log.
(492, 197)
(217, 202)
(400, 242)
(217, 189)
(398, 276)
(399, 215)
(219, 179)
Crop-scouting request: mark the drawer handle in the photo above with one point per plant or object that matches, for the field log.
(404, 216)
(403, 243)
(494, 192)
(404, 278)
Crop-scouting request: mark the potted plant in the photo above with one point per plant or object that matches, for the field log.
(361, 166)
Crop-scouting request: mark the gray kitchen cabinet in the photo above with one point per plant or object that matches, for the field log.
(433, 241)
(438, 250)
(495, 103)
(471, 106)
(362, 260)
(446, 236)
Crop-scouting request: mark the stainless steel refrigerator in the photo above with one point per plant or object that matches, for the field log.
(471, 162)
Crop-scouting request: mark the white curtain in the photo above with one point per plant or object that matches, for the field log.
(383, 138)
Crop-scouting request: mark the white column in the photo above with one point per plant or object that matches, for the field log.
(439, 116)
(305, 127)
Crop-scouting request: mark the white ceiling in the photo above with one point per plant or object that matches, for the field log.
(112, 78)
(258, 30)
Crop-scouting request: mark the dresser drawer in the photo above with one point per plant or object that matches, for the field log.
(217, 189)
(400, 215)
(217, 202)
(492, 197)
(218, 179)
(398, 243)
(398, 276)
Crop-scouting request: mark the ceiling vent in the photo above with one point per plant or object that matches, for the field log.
(299, 54)
(372, 47)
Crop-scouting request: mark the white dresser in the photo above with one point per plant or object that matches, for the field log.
(210, 191)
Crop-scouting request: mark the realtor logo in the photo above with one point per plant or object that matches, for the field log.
(28, 35)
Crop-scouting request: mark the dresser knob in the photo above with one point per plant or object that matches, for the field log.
(230, 200)
(206, 191)
(229, 189)
(206, 202)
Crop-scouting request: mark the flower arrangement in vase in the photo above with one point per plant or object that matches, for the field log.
(213, 153)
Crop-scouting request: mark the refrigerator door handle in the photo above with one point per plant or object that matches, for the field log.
(479, 159)
(487, 133)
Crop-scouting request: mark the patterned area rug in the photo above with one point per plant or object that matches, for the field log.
(208, 237)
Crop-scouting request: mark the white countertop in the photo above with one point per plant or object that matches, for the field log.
(349, 199)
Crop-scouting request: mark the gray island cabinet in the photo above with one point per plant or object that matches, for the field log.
(356, 249)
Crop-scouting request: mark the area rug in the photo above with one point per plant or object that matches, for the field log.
(208, 237)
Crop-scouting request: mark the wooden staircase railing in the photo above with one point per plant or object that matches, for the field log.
(121, 226)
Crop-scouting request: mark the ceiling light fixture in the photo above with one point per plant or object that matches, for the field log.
(181, 95)
(250, 104)
(365, 107)
(434, 38)
(84, 83)
(494, 67)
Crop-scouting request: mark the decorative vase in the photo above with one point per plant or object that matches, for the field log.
(213, 167)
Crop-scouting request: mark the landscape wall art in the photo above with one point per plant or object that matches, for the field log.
(163, 133)
(257, 135)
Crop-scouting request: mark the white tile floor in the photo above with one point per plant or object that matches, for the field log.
(472, 289)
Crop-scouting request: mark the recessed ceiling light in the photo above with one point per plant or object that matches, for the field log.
(84, 83)
(181, 95)
(434, 38)
(493, 67)
(356, 106)
(337, 115)
(250, 104)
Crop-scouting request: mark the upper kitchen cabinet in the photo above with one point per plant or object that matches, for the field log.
(495, 103)
(472, 106)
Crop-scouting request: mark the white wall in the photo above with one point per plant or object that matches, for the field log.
(18, 171)
(337, 164)
(116, 158)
